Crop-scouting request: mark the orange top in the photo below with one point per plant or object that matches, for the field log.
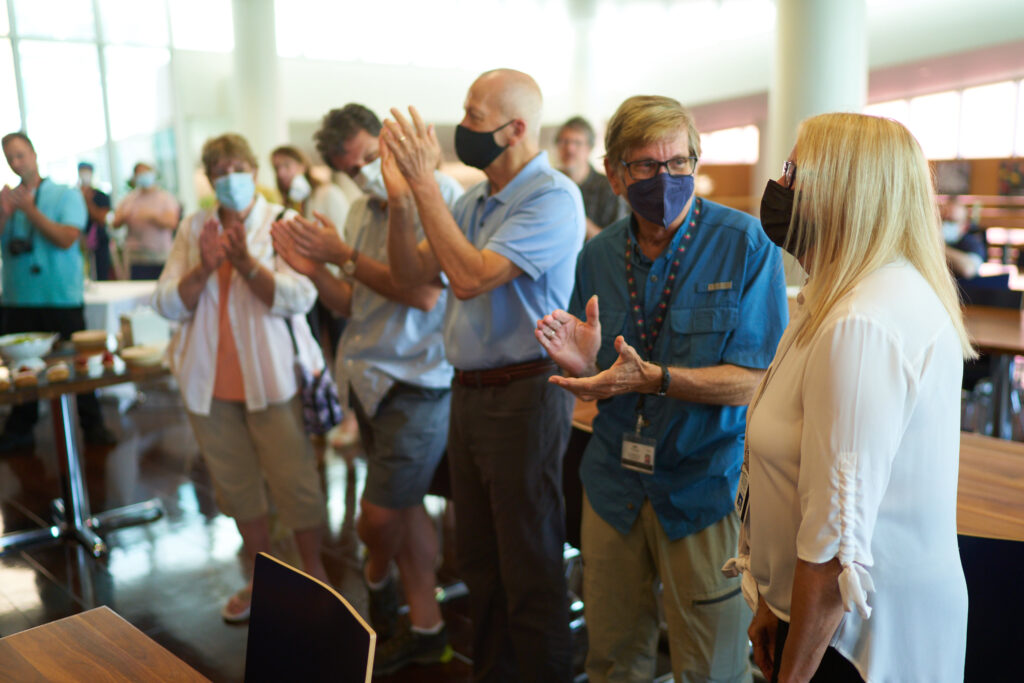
(228, 384)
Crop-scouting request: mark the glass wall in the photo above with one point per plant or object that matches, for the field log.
(94, 83)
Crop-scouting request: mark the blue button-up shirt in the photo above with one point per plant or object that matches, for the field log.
(60, 275)
(728, 306)
(537, 222)
(385, 341)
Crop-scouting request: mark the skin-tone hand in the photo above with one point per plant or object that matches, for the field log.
(629, 373)
(7, 200)
(397, 187)
(22, 198)
(414, 146)
(284, 245)
(211, 248)
(236, 250)
(762, 631)
(317, 241)
(571, 342)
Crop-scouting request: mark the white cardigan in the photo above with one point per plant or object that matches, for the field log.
(265, 350)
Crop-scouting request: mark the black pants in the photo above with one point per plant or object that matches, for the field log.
(834, 667)
(505, 449)
(64, 321)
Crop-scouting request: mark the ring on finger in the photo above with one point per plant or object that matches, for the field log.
(549, 333)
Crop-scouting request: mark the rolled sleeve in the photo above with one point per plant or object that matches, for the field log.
(293, 293)
(857, 390)
(540, 231)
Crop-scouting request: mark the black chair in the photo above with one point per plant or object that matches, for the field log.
(303, 630)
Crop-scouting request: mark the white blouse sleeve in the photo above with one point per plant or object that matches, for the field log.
(857, 395)
(166, 299)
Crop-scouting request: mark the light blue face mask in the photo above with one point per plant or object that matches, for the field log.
(235, 190)
(145, 179)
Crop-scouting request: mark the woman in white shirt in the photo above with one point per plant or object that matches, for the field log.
(853, 437)
(234, 358)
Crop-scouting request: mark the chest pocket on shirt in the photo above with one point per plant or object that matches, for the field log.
(699, 334)
(613, 323)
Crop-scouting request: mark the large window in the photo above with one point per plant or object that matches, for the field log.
(981, 122)
(730, 146)
(93, 78)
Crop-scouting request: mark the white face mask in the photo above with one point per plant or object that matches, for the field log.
(370, 179)
(300, 189)
(950, 231)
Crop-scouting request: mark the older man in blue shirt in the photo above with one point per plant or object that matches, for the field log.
(508, 249)
(676, 312)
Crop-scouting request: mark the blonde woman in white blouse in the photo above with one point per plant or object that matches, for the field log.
(849, 547)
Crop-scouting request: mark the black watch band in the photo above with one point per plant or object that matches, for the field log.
(666, 378)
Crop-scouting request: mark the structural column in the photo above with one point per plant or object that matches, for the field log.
(821, 65)
(256, 82)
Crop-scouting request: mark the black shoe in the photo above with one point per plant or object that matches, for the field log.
(408, 647)
(99, 435)
(17, 441)
(384, 609)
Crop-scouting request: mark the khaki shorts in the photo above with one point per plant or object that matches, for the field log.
(247, 452)
(706, 615)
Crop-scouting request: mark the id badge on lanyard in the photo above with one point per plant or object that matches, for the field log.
(638, 450)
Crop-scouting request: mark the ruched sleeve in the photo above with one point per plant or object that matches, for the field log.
(857, 395)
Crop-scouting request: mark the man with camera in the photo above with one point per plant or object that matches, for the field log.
(40, 223)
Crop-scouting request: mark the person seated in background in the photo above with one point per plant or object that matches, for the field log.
(41, 222)
(97, 241)
(241, 310)
(575, 143)
(674, 317)
(391, 363)
(150, 214)
(965, 247)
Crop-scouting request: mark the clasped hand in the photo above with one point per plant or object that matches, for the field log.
(306, 246)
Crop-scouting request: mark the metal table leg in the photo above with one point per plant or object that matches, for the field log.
(1002, 379)
(72, 516)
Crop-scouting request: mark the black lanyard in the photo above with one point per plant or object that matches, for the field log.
(649, 330)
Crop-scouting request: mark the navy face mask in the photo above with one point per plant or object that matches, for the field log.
(475, 148)
(777, 212)
(662, 198)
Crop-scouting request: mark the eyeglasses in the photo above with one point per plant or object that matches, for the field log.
(644, 169)
(789, 172)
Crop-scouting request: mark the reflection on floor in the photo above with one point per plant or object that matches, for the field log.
(171, 577)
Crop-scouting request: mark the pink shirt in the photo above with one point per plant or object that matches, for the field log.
(147, 241)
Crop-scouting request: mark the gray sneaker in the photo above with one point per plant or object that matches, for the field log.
(408, 647)
(384, 609)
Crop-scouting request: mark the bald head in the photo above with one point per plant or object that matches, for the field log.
(512, 93)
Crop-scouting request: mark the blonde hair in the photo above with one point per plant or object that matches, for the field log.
(864, 198)
(227, 146)
(645, 119)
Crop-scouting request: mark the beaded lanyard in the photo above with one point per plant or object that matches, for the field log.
(648, 339)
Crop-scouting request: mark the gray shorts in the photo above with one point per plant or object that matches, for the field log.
(403, 442)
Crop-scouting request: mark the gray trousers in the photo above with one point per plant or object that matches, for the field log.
(505, 456)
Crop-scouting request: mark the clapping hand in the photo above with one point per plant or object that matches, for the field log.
(22, 198)
(211, 247)
(236, 249)
(281, 233)
(395, 183)
(629, 373)
(317, 241)
(571, 342)
(413, 145)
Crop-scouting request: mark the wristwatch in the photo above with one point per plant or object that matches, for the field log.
(666, 379)
(349, 267)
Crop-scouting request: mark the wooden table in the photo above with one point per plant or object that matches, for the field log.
(999, 332)
(990, 497)
(97, 645)
(72, 517)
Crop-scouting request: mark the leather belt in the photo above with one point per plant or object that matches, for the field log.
(499, 377)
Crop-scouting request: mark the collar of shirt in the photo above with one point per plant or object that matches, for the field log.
(520, 181)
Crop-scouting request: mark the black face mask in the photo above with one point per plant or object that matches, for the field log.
(777, 212)
(477, 149)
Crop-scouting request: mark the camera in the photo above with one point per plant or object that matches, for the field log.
(19, 246)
